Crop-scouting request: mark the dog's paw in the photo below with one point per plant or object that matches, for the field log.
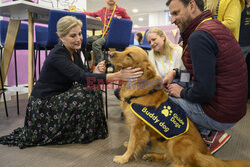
(120, 159)
(148, 157)
(125, 144)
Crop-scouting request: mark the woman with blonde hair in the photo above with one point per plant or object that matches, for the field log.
(165, 55)
(228, 12)
(65, 105)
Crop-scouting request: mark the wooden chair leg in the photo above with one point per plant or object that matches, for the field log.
(2, 92)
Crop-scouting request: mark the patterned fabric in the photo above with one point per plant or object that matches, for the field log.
(75, 116)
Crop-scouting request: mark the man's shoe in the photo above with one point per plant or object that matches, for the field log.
(216, 140)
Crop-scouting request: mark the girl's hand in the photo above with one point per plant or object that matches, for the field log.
(168, 79)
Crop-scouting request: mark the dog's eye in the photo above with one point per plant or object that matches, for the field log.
(129, 55)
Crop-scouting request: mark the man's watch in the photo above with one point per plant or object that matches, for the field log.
(177, 71)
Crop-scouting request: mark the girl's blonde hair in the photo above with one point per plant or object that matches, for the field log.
(168, 45)
(211, 5)
(65, 24)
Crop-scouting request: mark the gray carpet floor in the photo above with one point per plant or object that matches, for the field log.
(99, 153)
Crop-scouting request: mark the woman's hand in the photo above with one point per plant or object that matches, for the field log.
(129, 73)
(100, 68)
(125, 74)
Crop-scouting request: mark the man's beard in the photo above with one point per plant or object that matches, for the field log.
(185, 23)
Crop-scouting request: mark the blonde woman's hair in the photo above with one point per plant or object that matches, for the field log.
(211, 5)
(65, 24)
(168, 45)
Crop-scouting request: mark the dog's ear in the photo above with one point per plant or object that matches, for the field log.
(148, 70)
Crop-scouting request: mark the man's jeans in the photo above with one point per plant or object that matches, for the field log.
(195, 113)
(245, 50)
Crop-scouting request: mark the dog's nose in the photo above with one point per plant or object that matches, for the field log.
(112, 54)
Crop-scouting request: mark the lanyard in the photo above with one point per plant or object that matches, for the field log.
(168, 63)
(105, 28)
(210, 18)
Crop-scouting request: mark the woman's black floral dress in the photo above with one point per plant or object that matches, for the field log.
(75, 116)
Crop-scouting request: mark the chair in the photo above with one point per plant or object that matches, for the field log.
(46, 37)
(118, 38)
(41, 35)
(132, 38)
(20, 44)
(119, 34)
(145, 45)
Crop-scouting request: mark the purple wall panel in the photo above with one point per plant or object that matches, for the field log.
(167, 29)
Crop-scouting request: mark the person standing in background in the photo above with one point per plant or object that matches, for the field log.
(244, 39)
(106, 14)
(228, 12)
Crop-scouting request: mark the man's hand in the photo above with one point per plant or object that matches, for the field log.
(174, 90)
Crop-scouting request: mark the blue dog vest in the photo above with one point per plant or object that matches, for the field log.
(169, 119)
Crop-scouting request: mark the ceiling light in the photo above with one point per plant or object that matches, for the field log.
(135, 10)
(140, 19)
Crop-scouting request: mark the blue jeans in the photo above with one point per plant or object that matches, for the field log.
(195, 113)
(245, 50)
(182, 84)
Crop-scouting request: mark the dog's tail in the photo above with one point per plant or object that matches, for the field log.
(203, 160)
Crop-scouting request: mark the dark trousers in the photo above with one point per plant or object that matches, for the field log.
(248, 69)
(96, 43)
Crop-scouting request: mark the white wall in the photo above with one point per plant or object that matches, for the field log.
(159, 19)
(65, 4)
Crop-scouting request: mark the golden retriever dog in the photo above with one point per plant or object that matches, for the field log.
(186, 150)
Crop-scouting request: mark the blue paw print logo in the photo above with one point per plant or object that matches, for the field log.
(167, 111)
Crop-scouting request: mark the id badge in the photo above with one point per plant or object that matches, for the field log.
(185, 76)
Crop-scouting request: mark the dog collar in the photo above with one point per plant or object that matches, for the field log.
(128, 100)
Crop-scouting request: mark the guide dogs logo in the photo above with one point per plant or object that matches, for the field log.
(169, 119)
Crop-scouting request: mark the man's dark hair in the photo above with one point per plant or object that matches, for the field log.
(199, 3)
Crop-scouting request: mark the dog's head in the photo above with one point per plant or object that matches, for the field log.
(134, 57)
